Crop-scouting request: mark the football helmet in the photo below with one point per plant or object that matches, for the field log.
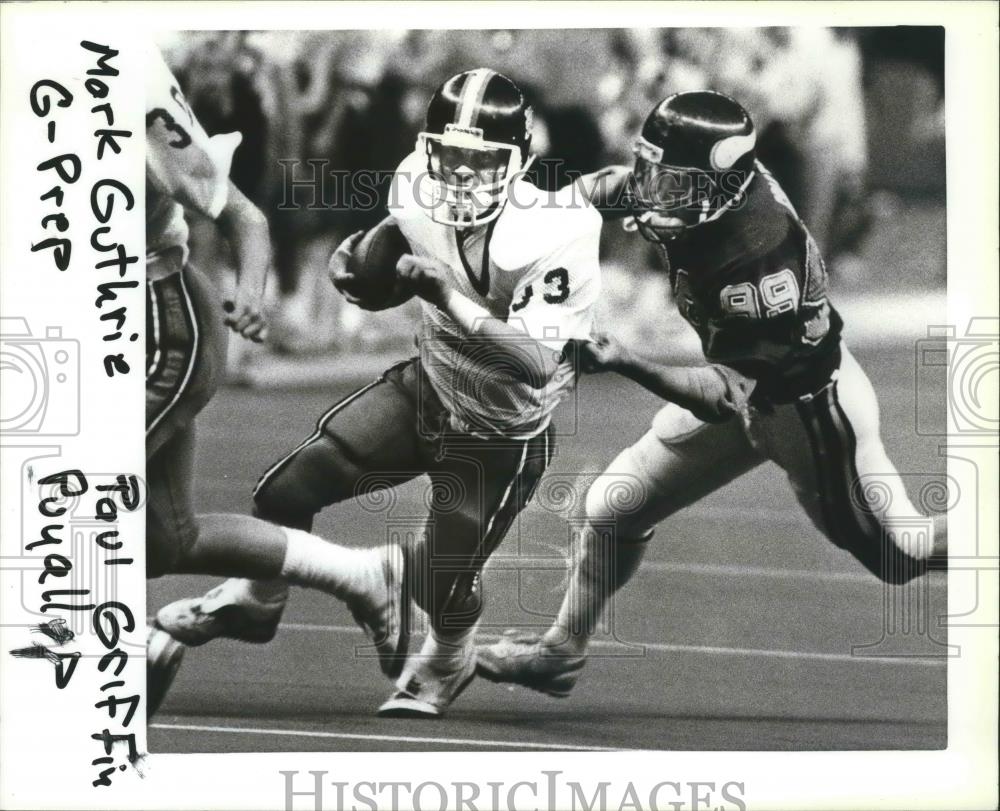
(476, 139)
(693, 161)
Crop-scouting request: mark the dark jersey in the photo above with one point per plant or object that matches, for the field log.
(753, 285)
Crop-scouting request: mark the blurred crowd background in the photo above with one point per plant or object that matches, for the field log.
(851, 121)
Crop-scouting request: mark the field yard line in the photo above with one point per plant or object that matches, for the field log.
(301, 733)
(500, 562)
(663, 647)
(761, 571)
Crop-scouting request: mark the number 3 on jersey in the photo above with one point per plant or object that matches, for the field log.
(777, 293)
(556, 290)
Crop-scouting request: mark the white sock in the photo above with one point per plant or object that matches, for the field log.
(439, 656)
(344, 572)
(438, 645)
(603, 566)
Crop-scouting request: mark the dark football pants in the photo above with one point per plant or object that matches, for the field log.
(390, 432)
(185, 357)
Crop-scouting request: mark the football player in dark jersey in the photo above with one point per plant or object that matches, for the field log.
(781, 384)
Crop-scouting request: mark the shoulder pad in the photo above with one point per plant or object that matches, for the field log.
(536, 224)
(403, 192)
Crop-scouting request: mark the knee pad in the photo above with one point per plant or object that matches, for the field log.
(287, 498)
(319, 473)
(616, 501)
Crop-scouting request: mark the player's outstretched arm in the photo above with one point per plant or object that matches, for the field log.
(514, 352)
(245, 226)
(606, 190)
(711, 393)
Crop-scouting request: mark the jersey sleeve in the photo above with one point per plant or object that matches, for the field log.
(182, 161)
(814, 320)
(554, 302)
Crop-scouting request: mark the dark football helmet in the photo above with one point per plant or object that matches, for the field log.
(477, 138)
(693, 161)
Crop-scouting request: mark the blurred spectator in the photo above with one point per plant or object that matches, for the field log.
(339, 96)
(802, 86)
(904, 83)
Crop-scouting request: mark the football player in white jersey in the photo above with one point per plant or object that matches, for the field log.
(186, 171)
(507, 275)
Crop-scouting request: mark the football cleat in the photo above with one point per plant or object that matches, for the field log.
(429, 684)
(163, 660)
(522, 657)
(385, 616)
(228, 610)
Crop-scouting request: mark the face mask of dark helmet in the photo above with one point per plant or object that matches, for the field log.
(476, 139)
(693, 161)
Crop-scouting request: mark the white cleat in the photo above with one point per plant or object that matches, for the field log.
(429, 684)
(385, 615)
(163, 660)
(522, 657)
(227, 611)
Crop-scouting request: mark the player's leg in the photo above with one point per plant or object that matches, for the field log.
(371, 431)
(185, 352)
(832, 451)
(170, 528)
(186, 343)
(478, 490)
(179, 542)
(186, 347)
(181, 376)
(170, 523)
(679, 461)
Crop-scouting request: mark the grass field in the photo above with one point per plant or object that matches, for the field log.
(740, 631)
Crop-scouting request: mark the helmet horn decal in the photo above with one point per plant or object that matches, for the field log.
(729, 150)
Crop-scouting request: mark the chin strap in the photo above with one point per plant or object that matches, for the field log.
(732, 201)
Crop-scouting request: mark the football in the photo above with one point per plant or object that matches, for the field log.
(372, 263)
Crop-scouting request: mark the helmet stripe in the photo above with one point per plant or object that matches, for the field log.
(472, 96)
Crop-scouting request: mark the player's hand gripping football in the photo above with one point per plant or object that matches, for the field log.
(602, 353)
(337, 267)
(424, 277)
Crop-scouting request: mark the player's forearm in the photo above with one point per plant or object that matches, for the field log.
(605, 189)
(699, 389)
(510, 350)
(245, 226)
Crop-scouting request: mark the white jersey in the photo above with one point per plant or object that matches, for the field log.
(535, 267)
(185, 169)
